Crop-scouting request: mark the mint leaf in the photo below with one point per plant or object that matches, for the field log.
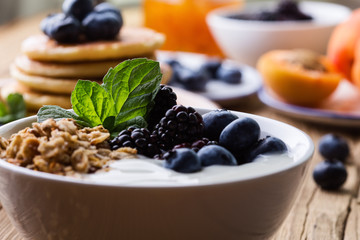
(16, 104)
(57, 113)
(92, 102)
(124, 99)
(14, 108)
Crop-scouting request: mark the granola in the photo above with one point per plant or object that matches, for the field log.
(61, 147)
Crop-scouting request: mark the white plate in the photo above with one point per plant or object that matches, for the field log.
(341, 109)
(220, 92)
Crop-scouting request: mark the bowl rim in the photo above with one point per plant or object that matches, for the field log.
(304, 158)
(218, 18)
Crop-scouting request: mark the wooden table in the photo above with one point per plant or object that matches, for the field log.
(316, 214)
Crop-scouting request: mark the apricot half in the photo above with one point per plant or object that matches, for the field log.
(299, 77)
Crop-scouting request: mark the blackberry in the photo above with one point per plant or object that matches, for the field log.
(197, 145)
(179, 125)
(164, 100)
(138, 138)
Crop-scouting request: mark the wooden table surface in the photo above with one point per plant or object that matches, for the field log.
(316, 214)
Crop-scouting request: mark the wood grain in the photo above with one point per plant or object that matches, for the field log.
(316, 214)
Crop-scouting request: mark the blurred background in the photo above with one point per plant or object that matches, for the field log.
(11, 9)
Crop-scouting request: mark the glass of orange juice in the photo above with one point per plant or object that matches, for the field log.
(184, 23)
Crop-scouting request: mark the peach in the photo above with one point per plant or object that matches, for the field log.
(343, 44)
(299, 77)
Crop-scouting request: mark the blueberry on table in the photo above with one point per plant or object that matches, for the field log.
(62, 28)
(215, 121)
(182, 160)
(229, 75)
(333, 147)
(102, 26)
(240, 135)
(268, 145)
(216, 155)
(330, 175)
(77, 8)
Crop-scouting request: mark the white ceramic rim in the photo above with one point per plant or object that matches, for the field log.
(217, 18)
(306, 156)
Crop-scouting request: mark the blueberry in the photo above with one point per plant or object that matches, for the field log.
(189, 79)
(77, 8)
(330, 175)
(333, 147)
(268, 145)
(102, 26)
(210, 67)
(182, 160)
(216, 155)
(215, 121)
(107, 7)
(62, 28)
(228, 74)
(240, 135)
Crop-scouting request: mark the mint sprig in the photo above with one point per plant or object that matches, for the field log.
(124, 99)
(13, 108)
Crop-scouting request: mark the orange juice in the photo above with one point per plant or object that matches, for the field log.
(183, 22)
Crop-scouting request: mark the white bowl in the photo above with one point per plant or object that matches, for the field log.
(245, 40)
(251, 204)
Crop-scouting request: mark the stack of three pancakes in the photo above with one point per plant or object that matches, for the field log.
(47, 72)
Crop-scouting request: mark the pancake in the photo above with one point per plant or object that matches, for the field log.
(131, 42)
(43, 84)
(63, 85)
(34, 100)
(90, 69)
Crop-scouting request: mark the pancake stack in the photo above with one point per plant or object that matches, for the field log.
(47, 72)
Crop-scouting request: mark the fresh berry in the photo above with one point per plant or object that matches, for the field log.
(210, 67)
(333, 147)
(231, 75)
(62, 28)
(164, 100)
(268, 145)
(240, 135)
(330, 175)
(215, 121)
(107, 7)
(179, 125)
(138, 138)
(197, 145)
(189, 79)
(102, 25)
(77, 8)
(216, 155)
(182, 160)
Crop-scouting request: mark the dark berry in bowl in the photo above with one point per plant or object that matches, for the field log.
(216, 155)
(333, 147)
(330, 175)
(215, 121)
(182, 160)
(268, 145)
(189, 79)
(210, 67)
(102, 26)
(230, 75)
(77, 8)
(164, 100)
(62, 28)
(138, 138)
(240, 135)
(179, 125)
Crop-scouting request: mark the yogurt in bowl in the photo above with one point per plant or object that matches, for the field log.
(138, 198)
